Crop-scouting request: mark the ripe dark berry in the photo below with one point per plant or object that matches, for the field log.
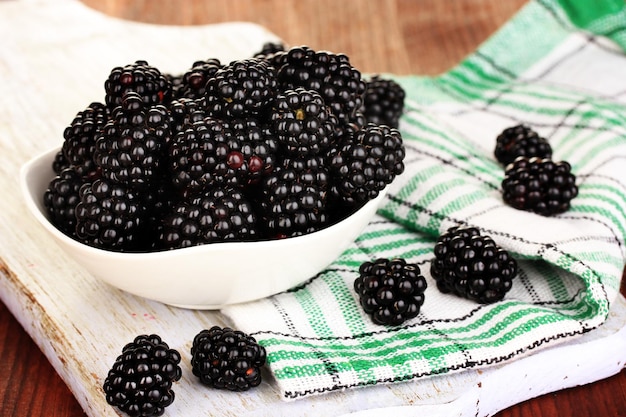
(140, 77)
(366, 164)
(60, 200)
(130, 149)
(218, 215)
(472, 266)
(140, 381)
(79, 142)
(383, 101)
(302, 122)
(293, 200)
(331, 75)
(197, 157)
(390, 290)
(228, 359)
(109, 216)
(193, 82)
(243, 88)
(539, 185)
(520, 140)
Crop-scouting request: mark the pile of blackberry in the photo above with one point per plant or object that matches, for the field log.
(532, 180)
(298, 138)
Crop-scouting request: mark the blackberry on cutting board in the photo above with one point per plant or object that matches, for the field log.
(60, 200)
(130, 148)
(390, 290)
(331, 75)
(539, 185)
(79, 138)
(218, 215)
(140, 380)
(228, 359)
(521, 140)
(472, 266)
(383, 101)
(140, 77)
(243, 88)
(109, 216)
(302, 122)
(365, 165)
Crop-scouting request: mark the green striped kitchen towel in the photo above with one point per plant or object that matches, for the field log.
(558, 66)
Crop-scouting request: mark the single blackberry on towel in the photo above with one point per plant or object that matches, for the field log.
(131, 147)
(194, 80)
(331, 75)
(79, 138)
(472, 266)
(144, 79)
(140, 381)
(521, 140)
(365, 165)
(218, 215)
(383, 101)
(60, 200)
(293, 201)
(243, 88)
(109, 216)
(302, 122)
(227, 359)
(390, 290)
(539, 185)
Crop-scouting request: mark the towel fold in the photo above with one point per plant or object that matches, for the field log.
(557, 66)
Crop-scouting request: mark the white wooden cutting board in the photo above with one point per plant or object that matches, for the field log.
(54, 59)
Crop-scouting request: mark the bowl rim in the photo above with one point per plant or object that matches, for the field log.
(27, 174)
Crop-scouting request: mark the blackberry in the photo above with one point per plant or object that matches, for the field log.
(79, 142)
(539, 185)
(194, 80)
(366, 164)
(243, 88)
(228, 359)
(520, 140)
(383, 101)
(331, 75)
(140, 381)
(219, 215)
(269, 48)
(254, 151)
(198, 157)
(390, 290)
(185, 112)
(60, 200)
(60, 162)
(302, 122)
(293, 200)
(109, 216)
(130, 149)
(140, 77)
(472, 266)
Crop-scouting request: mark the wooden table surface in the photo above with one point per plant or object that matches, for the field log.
(397, 36)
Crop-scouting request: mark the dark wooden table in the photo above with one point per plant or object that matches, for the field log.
(397, 36)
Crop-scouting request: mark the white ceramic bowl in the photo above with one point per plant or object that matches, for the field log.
(201, 277)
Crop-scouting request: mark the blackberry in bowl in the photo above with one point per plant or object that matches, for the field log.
(207, 276)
